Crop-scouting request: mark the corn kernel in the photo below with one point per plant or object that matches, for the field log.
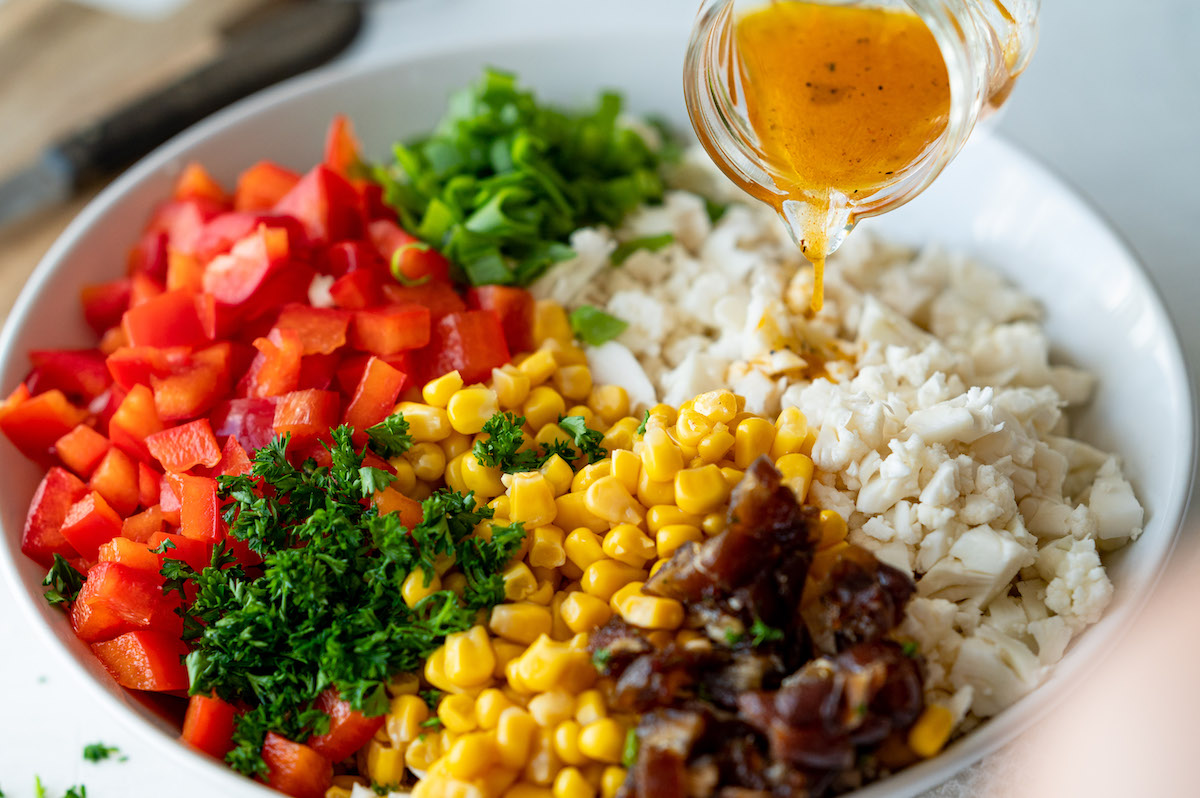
(404, 684)
(718, 406)
(797, 472)
(551, 708)
(589, 474)
(524, 789)
(423, 751)
(647, 612)
(752, 438)
(426, 460)
(716, 444)
(833, 529)
(506, 652)
(531, 499)
(713, 524)
(671, 537)
(603, 740)
(572, 512)
(500, 507)
(469, 658)
(515, 729)
(661, 457)
(791, 430)
(589, 418)
(700, 490)
(544, 763)
(732, 476)
(511, 386)
(611, 781)
(627, 468)
(437, 392)
(435, 672)
(547, 663)
(565, 353)
(628, 544)
(455, 444)
(651, 492)
(582, 612)
(605, 577)
(471, 755)
(583, 547)
(691, 427)
(590, 707)
(405, 716)
(519, 581)
(457, 713)
(454, 473)
(657, 565)
(546, 549)
(558, 473)
(661, 515)
(539, 367)
(621, 434)
(470, 408)
(573, 382)
(609, 402)
(570, 783)
(385, 764)
(665, 413)
(566, 743)
(484, 481)
(414, 588)
(522, 622)
(406, 477)
(487, 707)
(550, 322)
(931, 731)
(425, 422)
(496, 780)
(608, 499)
(542, 594)
(552, 436)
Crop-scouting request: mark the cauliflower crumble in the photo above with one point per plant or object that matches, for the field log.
(937, 419)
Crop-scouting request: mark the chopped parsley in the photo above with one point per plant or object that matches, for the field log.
(648, 243)
(909, 648)
(390, 437)
(629, 752)
(63, 580)
(385, 789)
(431, 697)
(733, 637)
(504, 180)
(433, 723)
(761, 633)
(98, 752)
(641, 430)
(325, 608)
(593, 326)
(502, 448)
(600, 659)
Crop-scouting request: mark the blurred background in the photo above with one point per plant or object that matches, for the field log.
(1111, 103)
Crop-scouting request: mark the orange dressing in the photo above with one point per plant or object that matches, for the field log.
(843, 100)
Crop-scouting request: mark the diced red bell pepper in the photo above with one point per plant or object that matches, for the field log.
(345, 257)
(105, 405)
(34, 423)
(105, 303)
(89, 524)
(148, 257)
(341, 146)
(169, 502)
(416, 261)
(169, 319)
(194, 182)
(316, 371)
(195, 553)
(143, 287)
(374, 397)
(357, 290)
(234, 460)
(200, 514)
(440, 298)
(327, 205)
(371, 197)
(185, 272)
(251, 420)
(130, 553)
(145, 660)
(222, 232)
(182, 221)
(148, 482)
(306, 415)
(233, 278)
(135, 420)
(513, 306)
(141, 527)
(208, 725)
(262, 186)
(194, 385)
(349, 730)
(471, 342)
(386, 331)
(182, 448)
(78, 373)
(276, 369)
(116, 479)
(42, 537)
(295, 769)
(135, 365)
(115, 599)
(322, 330)
(390, 500)
(82, 449)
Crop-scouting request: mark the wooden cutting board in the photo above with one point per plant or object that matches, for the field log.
(65, 65)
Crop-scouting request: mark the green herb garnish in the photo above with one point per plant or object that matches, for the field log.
(327, 610)
(600, 659)
(648, 243)
(390, 437)
(641, 430)
(502, 448)
(63, 580)
(503, 180)
(431, 697)
(98, 752)
(587, 440)
(761, 633)
(909, 648)
(629, 752)
(593, 326)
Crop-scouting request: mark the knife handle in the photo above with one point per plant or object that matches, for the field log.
(297, 38)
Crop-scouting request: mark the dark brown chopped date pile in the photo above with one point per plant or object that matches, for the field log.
(793, 689)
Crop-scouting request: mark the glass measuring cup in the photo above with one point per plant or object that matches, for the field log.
(985, 45)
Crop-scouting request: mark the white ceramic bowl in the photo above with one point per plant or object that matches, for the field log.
(1102, 311)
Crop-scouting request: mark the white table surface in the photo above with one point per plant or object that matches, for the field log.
(1111, 103)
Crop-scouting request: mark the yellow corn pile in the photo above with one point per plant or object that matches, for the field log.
(521, 715)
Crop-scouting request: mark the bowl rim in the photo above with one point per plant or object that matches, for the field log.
(997, 732)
